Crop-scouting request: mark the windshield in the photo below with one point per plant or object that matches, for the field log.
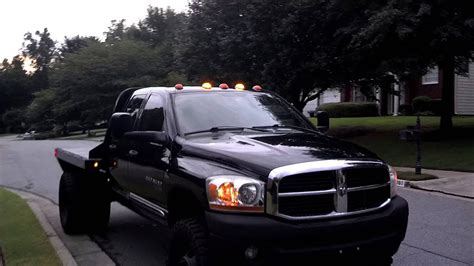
(203, 111)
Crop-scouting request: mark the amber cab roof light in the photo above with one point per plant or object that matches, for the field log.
(239, 87)
(206, 85)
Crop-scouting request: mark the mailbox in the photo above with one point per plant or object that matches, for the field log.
(410, 133)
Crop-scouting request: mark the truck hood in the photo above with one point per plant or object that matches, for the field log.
(259, 154)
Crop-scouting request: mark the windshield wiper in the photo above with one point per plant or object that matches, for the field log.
(221, 128)
(276, 126)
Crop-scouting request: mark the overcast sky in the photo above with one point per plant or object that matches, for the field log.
(68, 18)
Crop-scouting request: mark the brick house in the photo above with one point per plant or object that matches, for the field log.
(429, 85)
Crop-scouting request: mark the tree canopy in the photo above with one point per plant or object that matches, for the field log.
(299, 48)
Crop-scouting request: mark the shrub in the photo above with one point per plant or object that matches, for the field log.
(420, 104)
(424, 105)
(406, 109)
(350, 109)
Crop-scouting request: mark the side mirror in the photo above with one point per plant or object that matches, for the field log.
(120, 123)
(323, 121)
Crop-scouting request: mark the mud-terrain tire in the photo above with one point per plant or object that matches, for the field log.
(188, 244)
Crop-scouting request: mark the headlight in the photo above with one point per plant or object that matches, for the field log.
(393, 181)
(235, 193)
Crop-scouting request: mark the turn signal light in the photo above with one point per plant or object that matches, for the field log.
(228, 194)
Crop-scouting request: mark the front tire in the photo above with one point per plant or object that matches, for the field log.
(84, 206)
(189, 244)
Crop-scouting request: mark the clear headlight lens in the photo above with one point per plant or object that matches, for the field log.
(393, 181)
(235, 193)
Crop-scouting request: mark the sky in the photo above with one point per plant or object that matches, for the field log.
(68, 18)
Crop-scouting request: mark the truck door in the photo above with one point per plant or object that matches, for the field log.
(124, 145)
(148, 167)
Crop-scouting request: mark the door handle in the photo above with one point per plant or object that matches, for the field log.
(156, 144)
(132, 153)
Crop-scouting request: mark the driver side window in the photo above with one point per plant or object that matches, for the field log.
(133, 106)
(153, 115)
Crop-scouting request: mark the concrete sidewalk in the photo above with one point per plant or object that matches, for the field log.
(459, 184)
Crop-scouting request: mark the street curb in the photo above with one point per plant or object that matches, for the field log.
(413, 185)
(61, 251)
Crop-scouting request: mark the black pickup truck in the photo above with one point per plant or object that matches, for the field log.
(236, 173)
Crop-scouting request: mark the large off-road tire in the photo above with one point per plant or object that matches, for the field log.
(84, 204)
(189, 244)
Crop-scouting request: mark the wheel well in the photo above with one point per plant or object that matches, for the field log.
(69, 168)
(183, 204)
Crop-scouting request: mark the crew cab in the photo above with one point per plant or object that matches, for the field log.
(238, 175)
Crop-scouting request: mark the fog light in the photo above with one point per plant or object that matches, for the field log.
(251, 253)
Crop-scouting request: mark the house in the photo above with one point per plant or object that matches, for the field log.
(328, 96)
(429, 85)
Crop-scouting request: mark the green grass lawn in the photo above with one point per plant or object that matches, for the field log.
(411, 176)
(453, 150)
(21, 236)
(391, 123)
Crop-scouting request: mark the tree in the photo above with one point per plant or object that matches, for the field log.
(161, 26)
(41, 49)
(15, 85)
(14, 119)
(41, 108)
(164, 29)
(408, 37)
(87, 82)
(279, 44)
(116, 31)
(76, 43)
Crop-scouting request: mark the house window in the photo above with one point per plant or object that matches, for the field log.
(431, 77)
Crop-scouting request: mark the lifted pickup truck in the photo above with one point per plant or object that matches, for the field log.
(234, 172)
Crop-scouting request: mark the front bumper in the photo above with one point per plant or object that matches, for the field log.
(372, 234)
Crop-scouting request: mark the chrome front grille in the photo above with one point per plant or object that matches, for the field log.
(327, 188)
(308, 182)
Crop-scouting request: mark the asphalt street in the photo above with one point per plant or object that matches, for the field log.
(440, 229)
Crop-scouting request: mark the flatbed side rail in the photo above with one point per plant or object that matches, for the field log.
(78, 160)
